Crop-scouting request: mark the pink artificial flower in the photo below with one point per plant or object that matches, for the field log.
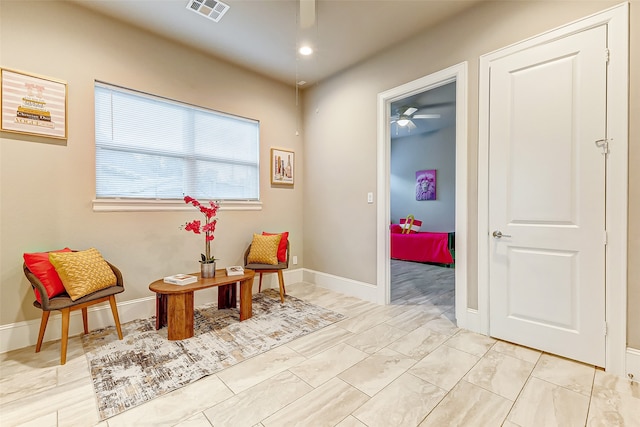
(208, 212)
(208, 228)
(193, 226)
(191, 200)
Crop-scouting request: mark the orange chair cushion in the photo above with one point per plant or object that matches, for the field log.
(38, 263)
(82, 272)
(264, 249)
(282, 246)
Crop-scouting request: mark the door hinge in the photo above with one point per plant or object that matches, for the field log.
(604, 145)
(607, 55)
(606, 237)
(606, 329)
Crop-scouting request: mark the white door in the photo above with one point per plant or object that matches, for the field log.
(547, 196)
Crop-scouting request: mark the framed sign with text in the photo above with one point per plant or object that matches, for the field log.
(33, 105)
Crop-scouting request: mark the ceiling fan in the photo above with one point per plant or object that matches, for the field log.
(406, 116)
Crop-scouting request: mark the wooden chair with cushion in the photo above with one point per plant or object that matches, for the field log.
(269, 268)
(66, 305)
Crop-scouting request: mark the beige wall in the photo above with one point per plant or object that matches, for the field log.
(47, 186)
(343, 144)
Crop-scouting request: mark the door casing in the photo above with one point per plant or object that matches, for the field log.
(458, 74)
(616, 20)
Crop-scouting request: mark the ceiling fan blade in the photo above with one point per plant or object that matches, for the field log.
(425, 116)
(307, 13)
(410, 110)
(411, 125)
(430, 107)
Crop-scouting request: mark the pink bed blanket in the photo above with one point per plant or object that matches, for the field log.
(421, 247)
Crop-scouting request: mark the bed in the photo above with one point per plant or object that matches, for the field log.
(423, 246)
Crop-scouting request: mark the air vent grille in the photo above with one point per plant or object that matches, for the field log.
(211, 9)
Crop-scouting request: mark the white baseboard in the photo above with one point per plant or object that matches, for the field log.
(470, 320)
(342, 285)
(270, 281)
(633, 364)
(24, 334)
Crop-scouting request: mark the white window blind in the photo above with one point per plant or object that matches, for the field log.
(149, 147)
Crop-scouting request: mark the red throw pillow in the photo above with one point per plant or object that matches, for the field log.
(282, 247)
(39, 265)
(413, 227)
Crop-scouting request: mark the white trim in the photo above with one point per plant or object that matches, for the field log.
(457, 73)
(24, 334)
(617, 187)
(633, 364)
(483, 194)
(147, 205)
(343, 285)
(270, 281)
(472, 320)
(616, 20)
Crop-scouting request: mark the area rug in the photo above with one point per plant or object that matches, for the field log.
(145, 365)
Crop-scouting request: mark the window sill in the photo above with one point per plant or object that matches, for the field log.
(133, 205)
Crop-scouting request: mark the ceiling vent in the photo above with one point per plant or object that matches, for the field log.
(211, 9)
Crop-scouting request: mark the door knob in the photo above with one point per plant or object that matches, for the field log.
(498, 234)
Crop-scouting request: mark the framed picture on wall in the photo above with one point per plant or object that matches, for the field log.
(33, 105)
(282, 166)
(426, 184)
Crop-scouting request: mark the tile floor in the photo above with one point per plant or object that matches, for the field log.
(399, 365)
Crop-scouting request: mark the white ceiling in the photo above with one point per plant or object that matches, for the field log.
(263, 35)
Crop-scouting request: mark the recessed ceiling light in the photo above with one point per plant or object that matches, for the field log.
(302, 83)
(305, 50)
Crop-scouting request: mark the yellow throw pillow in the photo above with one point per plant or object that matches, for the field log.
(82, 272)
(264, 249)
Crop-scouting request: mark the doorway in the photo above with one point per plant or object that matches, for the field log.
(422, 184)
(458, 76)
(521, 251)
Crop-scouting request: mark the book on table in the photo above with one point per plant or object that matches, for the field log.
(181, 279)
(235, 270)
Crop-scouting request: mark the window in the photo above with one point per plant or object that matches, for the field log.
(148, 147)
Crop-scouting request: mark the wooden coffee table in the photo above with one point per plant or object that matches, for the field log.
(174, 303)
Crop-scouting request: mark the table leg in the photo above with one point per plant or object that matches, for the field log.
(161, 310)
(227, 296)
(180, 316)
(246, 287)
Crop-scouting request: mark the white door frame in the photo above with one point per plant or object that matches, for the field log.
(616, 19)
(458, 74)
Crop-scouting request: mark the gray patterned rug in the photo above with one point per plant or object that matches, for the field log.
(145, 365)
